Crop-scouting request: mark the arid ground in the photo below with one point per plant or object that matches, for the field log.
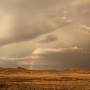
(21, 79)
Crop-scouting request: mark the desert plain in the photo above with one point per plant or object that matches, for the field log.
(22, 79)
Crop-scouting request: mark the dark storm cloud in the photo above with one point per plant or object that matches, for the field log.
(58, 59)
(61, 59)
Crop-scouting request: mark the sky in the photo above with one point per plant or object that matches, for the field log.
(45, 34)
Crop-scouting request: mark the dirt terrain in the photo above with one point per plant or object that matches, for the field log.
(21, 79)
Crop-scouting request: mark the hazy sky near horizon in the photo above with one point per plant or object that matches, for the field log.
(45, 34)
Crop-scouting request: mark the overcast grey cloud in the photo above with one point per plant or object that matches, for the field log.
(34, 18)
(27, 26)
(59, 59)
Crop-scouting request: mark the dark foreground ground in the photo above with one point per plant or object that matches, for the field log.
(20, 79)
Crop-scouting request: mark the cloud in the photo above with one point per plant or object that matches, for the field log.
(25, 20)
(37, 54)
(18, 29)
(60, 59)
(45, 30)
(48, 39)
(51, 58)
(45, 50)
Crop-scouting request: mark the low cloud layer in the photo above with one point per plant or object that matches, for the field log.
(58, 59)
